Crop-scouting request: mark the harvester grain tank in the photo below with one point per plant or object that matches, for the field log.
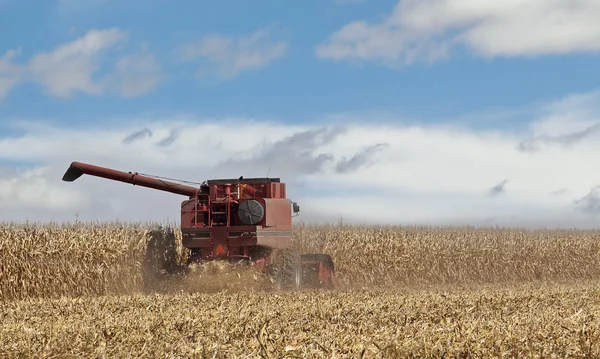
(242, 219)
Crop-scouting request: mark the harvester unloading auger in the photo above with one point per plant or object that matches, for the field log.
(244, 219)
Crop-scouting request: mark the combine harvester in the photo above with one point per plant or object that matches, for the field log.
(245, 219)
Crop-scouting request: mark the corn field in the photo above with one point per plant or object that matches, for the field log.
(94, 259)
(80, 290)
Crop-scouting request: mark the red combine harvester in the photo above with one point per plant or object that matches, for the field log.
(244, 219)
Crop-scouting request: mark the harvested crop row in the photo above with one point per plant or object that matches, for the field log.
(94, 259)
(525, 322)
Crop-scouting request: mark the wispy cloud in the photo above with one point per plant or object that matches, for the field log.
(229, 56)
(80, 66)
(137, 135)
(298, 154)
(428, 30)
(571, 122)
(137, 74)
(365, 157)
(559, 192)
(498, 189)
(10, 74)
(361, 171)
(567, 140)
(70, 67)
(590, 203)
(170, 138)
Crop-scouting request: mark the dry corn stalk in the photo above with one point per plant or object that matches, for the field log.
(78, 259)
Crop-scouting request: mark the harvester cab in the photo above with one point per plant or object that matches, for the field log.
(242, 219)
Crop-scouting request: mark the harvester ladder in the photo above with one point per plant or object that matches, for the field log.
(202, 210)
(220, 207)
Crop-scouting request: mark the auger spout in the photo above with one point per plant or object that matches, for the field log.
(77, 169)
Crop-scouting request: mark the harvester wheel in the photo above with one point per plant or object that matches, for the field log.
(287, 269)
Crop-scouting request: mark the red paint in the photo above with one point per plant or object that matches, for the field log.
(211, 225)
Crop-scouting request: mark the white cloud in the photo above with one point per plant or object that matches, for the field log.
(80, 66)
(70, 67)
(31, 190)
(427, 30)
(367, 172)
(230, 56)
(9, 72)
(137, 74)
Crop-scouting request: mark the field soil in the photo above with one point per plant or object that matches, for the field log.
(80, 290)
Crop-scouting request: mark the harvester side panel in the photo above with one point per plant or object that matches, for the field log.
(278, 213)
(237, 236)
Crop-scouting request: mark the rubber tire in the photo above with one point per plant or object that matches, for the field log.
(288, 269)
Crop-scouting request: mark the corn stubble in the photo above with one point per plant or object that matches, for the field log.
(529, 322)
(84, 290)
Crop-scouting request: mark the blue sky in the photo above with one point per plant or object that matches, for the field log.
(296, 86)
(402, 72)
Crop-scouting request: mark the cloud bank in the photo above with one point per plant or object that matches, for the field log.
(427, 30)
(392, 172)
